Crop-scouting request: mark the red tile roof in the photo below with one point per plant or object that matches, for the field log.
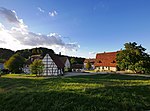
(106, 59)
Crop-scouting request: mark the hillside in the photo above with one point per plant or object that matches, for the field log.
(26, 53)
(5, 54)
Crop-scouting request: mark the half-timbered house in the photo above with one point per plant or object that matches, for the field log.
(52, 65)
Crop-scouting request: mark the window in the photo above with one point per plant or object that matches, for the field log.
(99, 62)
(113, 61)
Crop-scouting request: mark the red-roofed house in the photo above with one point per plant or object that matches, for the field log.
(106, 61)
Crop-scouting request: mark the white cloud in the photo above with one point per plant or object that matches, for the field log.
(19, 36)
(92, 53)
(2, 42)
(53, 13)
(1, 27)
(41, 10)
(10, 15)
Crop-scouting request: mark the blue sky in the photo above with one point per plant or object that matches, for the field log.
(87, 26)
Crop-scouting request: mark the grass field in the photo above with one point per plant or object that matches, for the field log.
(81, 93)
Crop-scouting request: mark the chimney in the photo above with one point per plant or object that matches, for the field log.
(59, 53)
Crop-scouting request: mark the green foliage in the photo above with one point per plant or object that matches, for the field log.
(26, 53)
(80, 60)
(37, 67)
(76, 60)
(134, 58)
(2, 60)
(67, 69)
(5, 54)
(73, 61)
(80, 93)
(0, 71)
(88, 65)
(15, 63)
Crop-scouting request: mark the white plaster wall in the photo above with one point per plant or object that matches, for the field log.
(52, 67)
(67, 64)
(106, 68)
(113, 68)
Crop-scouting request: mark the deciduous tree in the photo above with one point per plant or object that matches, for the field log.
(72, 61)
(37, 67)
(88, 65)
(15, 63)
(134, 58)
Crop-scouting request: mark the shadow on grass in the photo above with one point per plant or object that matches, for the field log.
(23, 84)
(108, 99)
(34, 94)
(107, 78)
(113, 76)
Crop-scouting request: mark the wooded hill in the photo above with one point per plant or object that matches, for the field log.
(5, 54)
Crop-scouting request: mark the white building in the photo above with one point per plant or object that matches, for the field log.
(52, 65)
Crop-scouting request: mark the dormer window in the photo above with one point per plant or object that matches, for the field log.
(99, 61)
(113, 61)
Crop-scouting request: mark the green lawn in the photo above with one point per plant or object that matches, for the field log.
(81, 93)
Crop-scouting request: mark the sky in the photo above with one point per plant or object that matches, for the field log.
(74, 27)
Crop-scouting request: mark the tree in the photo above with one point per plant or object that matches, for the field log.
(37, 67)
(15, 63)
(5, 54)
(72, 61)
(88, 65)
(34, 51)
(134, 58)
(0, 72)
